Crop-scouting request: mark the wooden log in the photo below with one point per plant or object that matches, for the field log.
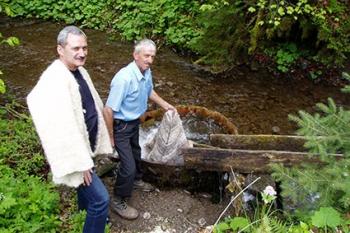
(243, 161)
(259, 142)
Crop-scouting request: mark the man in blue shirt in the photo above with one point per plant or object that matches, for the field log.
(130, 90)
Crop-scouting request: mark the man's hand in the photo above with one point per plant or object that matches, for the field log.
(87, 177)
(169, 107)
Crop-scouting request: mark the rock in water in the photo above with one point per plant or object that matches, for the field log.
(167, 142)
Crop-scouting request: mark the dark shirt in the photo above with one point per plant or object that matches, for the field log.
(89, 109)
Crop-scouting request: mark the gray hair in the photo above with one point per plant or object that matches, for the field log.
(62, 36)
(143, 44)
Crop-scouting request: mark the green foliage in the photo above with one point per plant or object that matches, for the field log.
(221, 227)
(76, 222)
(234, 224)
(19, 145)
(88, 13)
(270, 225)
(11, 41)
(263, 221)
(161, 19)
(27, 204)
(346, 76)
(286, 56)
(327, 132)
(266, 224)
(315, 74)
(169, 20)
(226, 26)
(301, 228)
(4, 7)
(2, 85)
(313, 186)
(322, 221)
(239, 224)
(330, 22)
(326, 217)
(223, 34)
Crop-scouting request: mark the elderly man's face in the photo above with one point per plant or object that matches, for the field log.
(145, 57)
(74, 53)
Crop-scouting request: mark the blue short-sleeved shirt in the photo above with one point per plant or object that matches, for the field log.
(129, 93)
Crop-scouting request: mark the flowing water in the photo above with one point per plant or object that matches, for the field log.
(256, 102)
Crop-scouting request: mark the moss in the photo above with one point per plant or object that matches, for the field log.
(197, 111)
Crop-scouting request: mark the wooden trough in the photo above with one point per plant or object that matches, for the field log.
(242, 153)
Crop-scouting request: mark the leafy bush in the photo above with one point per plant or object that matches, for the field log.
(169, 21)
(27, 204)
(160, 19)
(284, 55)
(87, 12)
(323, 25)
(221, 32)
(230, 30)
(19, 145)
(77, 222)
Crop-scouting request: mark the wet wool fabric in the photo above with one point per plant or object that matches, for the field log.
(166, 144)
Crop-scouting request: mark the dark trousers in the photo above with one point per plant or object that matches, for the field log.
(126, 139)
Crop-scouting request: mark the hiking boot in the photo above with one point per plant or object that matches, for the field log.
(120, 206)
(143, 186)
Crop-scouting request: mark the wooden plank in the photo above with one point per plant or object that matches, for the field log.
(259, 142)
(243, 161)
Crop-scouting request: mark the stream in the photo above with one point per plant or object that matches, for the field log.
(255, 101)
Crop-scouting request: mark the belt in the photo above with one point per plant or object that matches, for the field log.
(117, 121)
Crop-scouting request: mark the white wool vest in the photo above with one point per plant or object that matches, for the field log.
(56, 108)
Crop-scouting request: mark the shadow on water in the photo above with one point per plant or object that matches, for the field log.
(256, 102)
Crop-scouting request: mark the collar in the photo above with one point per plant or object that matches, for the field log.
(137, 71)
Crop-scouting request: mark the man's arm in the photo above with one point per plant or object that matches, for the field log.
(108, 116)
(161, 102)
